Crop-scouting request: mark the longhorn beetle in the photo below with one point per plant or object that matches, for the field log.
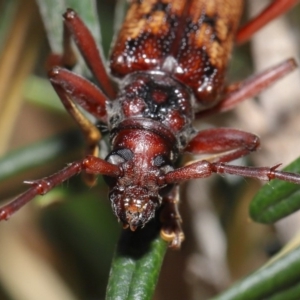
(170, 58)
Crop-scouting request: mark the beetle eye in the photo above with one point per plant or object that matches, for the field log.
(119, 156)
(125, 153)
(115, 159)
(160, 160)
(163, 163)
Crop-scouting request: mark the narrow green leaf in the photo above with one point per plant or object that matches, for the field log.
(136, 264)
(120, 11)
(39, 91)
(52, 10)
(38, 153)
(269, 281)
(8, 9)
(292, 293)
(276, 199)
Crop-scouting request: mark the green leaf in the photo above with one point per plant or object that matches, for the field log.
(136, 264)
(38, 154)
(39, 91)
(292, 293)
(273, 280)
(277, 199)
(52, 11)
(8, 9)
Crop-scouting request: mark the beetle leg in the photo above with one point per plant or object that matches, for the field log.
(226, 143)
(170, 218)
(203, 169)
(90, 164)
(73, 88)
(276, 8)
(75, 27)
(250, 87)
(80, 90)
(89, 50)
(68, 57)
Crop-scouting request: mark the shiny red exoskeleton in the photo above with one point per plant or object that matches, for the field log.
(170, 57)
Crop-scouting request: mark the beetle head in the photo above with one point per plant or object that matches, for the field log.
(133, 206)
(136, 194)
